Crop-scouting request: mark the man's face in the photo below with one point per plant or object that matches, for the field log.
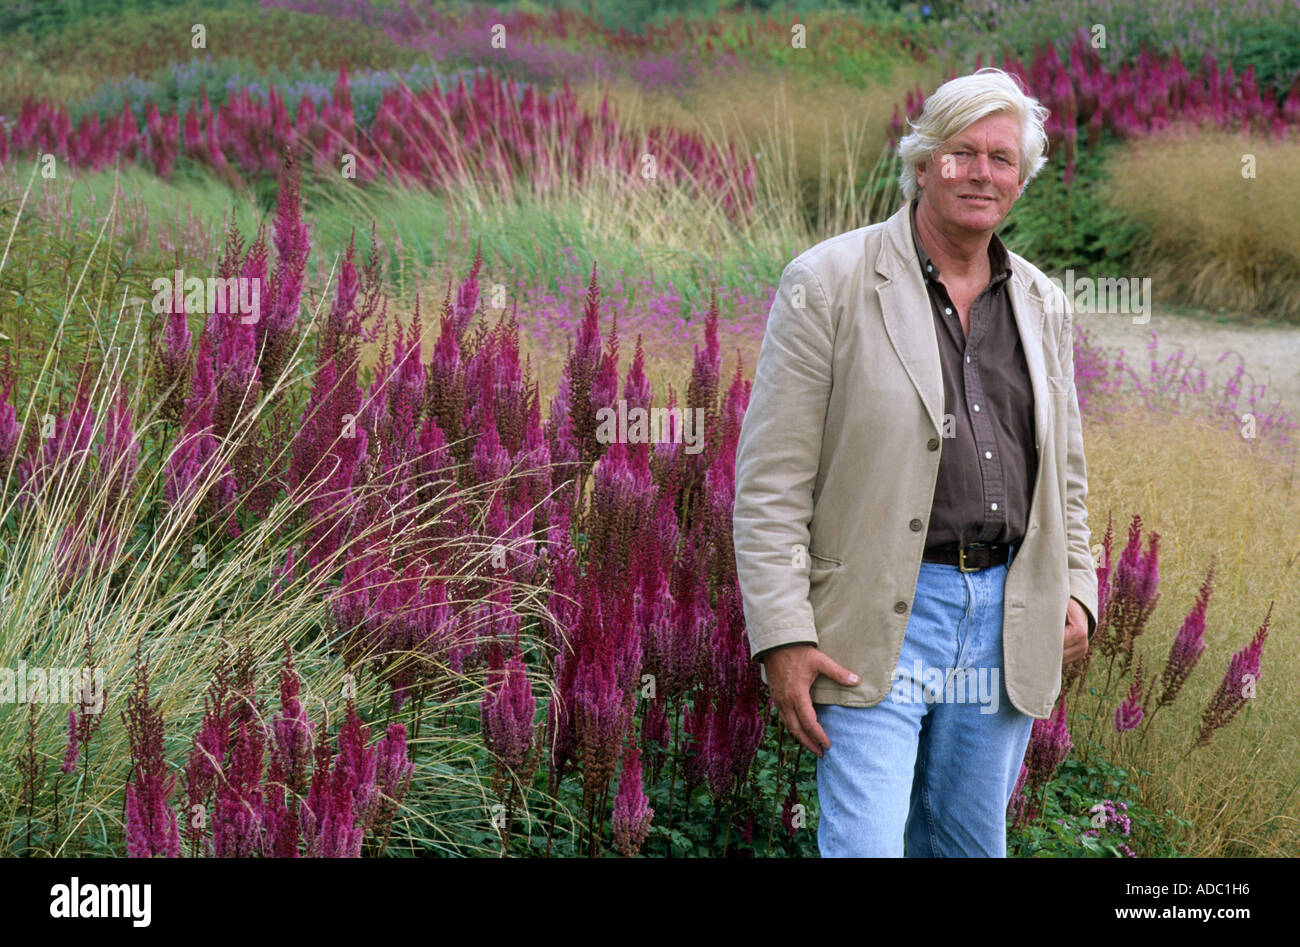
(975, 175)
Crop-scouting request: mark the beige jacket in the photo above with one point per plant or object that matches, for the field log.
(839, 453)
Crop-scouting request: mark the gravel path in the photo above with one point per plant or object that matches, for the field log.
(1271, 353)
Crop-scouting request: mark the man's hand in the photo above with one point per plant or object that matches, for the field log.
(1076, 633)
(790, 675)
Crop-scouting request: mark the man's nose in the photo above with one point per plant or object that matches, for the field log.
(980, 169)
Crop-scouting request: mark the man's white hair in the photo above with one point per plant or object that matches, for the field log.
(960, 103)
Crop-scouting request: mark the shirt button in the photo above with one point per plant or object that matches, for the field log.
(932, 443)
(975, 408)
(928, 267)
(993, 506)
(947, 311)
(915, 525)
(968, 358)
(988, 454)
(900, 607)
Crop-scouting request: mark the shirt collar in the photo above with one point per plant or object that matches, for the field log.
(999, 260)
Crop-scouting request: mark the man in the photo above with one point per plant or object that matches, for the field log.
(910, 523)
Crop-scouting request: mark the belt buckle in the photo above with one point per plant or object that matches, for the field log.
(961, 560)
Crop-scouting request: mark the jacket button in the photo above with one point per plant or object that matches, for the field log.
(900, 607)
(916, 526)
(933, 443)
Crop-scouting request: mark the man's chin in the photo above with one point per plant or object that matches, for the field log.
(976, 221)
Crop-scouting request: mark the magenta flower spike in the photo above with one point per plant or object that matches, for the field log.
(507, 711)
(632, 811)
(1238, 685)
(151, 826)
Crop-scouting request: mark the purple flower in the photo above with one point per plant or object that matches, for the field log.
(1237, 686)
(1188, 645)
(507, 711)
(151, 827)
(632, 812)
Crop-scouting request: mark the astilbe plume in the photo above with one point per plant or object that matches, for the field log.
(676, 623)
(119, 457)
(60, 463)
(277, 329)
(238, 813)
(32, 767)
(788, 808)
(10, 430)
(1132, 595)
(291, 751)
(591, 713)
(1237, 686)
(195, 457)
(730, 726)
(702, 391)
(588, 384)
(208, 751)
(70, 751)
(1130, 712)
(393, 773)
(1076, 672)
(338, 807)
(151, 827)
(507, 712)
(632, 811)
(83, 726)
(1049, 745)
(175, 361)
(1187, 647)
(87, 545)
(622, 508)
(330, 446)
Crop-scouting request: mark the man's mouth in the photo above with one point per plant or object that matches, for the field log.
(977, 198)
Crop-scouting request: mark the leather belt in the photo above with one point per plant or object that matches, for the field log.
(969, 558)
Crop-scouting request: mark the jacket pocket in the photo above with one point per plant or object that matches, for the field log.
(820, 568)
(1058, 385)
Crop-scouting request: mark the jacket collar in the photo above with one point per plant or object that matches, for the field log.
(905, 305)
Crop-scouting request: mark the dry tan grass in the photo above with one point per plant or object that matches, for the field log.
(1217, 239)
(817, 138)
(1207, 494)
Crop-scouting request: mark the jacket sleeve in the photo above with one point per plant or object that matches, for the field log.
(777, 457)
(1083, 570)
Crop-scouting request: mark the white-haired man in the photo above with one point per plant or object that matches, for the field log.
(910, 523)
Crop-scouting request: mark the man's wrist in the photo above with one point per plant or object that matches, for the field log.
(762, 655)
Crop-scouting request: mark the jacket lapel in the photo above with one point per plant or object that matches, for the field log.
(1030, 312)
(906, 310)
(909, 322)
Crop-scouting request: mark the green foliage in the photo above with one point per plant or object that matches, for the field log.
(40, 17)
(179, 87)
(1057, 227)
(1078, 786)
(124, 45)
(1273, 48)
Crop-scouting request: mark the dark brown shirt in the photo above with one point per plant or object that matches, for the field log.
(988, 465)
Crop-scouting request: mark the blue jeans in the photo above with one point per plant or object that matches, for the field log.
(929, 770)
